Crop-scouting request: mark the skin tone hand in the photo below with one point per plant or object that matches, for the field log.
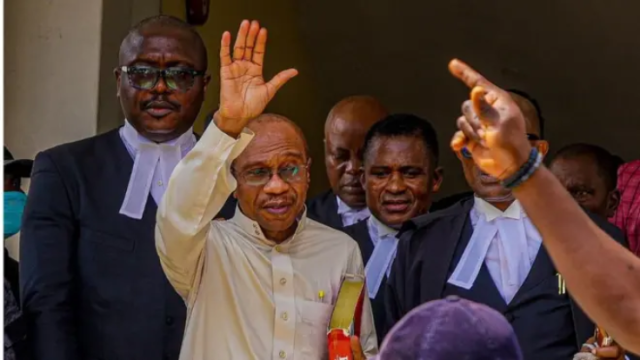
(356, 349)
(244, 93)
(613, 352)
(492, 127)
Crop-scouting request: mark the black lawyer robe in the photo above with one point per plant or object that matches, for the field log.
(549, 325)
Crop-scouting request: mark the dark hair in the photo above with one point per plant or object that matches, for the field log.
(607, 164)
(535, 104)
(404, 125)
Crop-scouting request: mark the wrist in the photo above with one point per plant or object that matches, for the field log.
(520, 158)
(227, 125)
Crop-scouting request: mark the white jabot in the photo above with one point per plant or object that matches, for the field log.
(248, 297)
(350, 215)
(385, 245)
(152, 167)
(507, 242)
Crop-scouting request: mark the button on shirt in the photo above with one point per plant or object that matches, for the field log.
(350, 215)
(152, 167)
(385, 245)
(248, 297)
(507, 242)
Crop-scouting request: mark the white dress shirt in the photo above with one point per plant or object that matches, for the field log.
(350, 215)
(507, 242)
(248, 297)
(385, 245)
(152, 167)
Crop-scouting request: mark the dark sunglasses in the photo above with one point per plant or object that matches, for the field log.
(146, 78)
(467, 154)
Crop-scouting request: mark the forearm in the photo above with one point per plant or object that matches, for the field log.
(197, 190)
(602, 276)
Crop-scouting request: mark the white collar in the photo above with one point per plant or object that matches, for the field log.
(380, 229)
(134, 138)
(490, 212)
(343, 208)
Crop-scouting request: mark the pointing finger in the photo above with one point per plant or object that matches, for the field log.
(468, 75)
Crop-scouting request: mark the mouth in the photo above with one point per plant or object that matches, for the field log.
(396, 206)
(159, 109)
(278, 209)
(488, 179)
(353, 188)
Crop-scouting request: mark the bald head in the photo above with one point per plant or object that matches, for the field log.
(344, 133)
(163, 25)
(361, 109)
(266, 124)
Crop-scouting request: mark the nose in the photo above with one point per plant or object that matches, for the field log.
(354, 166)
(396, 184)
(161, 86)
(276, 186)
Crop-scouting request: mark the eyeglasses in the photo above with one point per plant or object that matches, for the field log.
(146, 78)
(467, 154)
(261, 176)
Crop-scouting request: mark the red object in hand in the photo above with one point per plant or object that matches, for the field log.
(339, 345)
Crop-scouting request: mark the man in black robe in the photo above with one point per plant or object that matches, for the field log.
(401, 173)
(344, 132)
(485, 249)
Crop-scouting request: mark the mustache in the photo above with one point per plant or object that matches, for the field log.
(278, 202)
(160, 102)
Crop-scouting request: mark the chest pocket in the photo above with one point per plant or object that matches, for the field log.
(314, 320)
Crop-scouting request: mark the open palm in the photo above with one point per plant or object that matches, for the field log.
(244, 94)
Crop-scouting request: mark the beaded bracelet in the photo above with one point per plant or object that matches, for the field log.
(526, 170)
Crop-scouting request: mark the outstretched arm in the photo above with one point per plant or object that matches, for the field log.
(603, 276)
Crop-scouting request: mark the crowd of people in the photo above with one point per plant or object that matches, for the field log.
(153, 242)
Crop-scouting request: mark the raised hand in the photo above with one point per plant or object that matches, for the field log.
(244, 94)
(492, 126)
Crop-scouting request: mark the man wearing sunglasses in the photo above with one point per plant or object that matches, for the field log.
(91, 280)
(263, 284)
(486, 249)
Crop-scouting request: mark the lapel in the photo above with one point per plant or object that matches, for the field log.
(541, 270)
(440, 249)
(333, 218)
(361, 235)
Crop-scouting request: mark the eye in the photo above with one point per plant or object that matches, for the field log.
(258, 172)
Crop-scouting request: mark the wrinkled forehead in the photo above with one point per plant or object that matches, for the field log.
(272, 144)
(161, 46)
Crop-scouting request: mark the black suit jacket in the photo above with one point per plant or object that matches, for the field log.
(324, 209)
(92, 285)
(425, 259)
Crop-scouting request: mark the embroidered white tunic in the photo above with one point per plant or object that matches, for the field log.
(247, 297)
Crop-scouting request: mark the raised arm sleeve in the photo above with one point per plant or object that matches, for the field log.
(197, 190)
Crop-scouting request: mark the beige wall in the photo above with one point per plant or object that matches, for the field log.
(59, 56)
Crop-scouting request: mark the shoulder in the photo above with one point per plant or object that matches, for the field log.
(329, 236)
(85, 149)
(320, 199)
(612, 230)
